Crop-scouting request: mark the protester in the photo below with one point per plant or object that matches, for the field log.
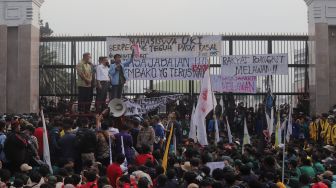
(103, 83)
(84, 82)
(118, 75)
(146, 135)
(67, 143)
(114, 170)
(86, 141)
(82, 155)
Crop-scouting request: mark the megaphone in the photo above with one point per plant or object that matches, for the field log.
(117, 107)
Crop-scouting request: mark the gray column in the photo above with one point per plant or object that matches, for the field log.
(19, 56)
(322, 74)
(3, 68)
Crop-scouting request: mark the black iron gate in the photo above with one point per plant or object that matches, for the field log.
(59, 56)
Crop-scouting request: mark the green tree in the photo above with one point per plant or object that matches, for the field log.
(53, 78)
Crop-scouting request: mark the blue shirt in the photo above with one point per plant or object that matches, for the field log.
(114, 75)
(211, 126)
(159, 131)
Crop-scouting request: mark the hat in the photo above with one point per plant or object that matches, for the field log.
(186, 166)
(329, 148)
(25, 167)
(331, 117)
(327, 174)
(193, 185)
(69, 186)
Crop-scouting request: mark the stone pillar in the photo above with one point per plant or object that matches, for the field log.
(19, 56)
(322, 73)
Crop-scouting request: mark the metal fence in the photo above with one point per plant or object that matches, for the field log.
(59, 56)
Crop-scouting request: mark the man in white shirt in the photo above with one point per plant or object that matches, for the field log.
(103, 82)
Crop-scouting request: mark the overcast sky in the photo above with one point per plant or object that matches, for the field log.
(114, 17)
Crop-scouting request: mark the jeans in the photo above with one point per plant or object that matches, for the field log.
(116, 91)
(102, 95)
(84, 99)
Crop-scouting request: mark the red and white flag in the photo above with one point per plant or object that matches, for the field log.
(205, 104)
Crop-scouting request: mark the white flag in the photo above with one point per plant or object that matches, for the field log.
(217, 131)
(46, 152)
(228, 130)
(282, 129)
(270, 122)
(192, 131)
(290, 125)
(205, 104)
(246, 139)
(221, 102)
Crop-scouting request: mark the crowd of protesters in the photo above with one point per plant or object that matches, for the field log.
(103, 151)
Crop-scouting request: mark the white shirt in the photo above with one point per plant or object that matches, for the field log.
(102, 73)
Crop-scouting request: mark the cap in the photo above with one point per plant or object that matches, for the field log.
(186, 166)
(25, 167)
(329, 148)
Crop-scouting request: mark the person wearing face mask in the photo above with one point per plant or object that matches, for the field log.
(84, 83)
(118, 76)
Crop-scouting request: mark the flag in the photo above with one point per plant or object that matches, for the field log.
(221, 102)
(110, 148)
(217, 131)
(136, 49)
(205, 104)
(270, 122)
(282, 132)
(165, 156)
(192, 132)
(277, 129)
(290, 125)
(246, 139)
(269, 107)
(228, 130)
(46, 152)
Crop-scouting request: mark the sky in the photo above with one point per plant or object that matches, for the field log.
(119, 17)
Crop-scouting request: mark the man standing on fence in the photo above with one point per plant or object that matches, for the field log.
(103, 82)
(118, 76)
(84, 83)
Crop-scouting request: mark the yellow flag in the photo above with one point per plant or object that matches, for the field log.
(165, 156)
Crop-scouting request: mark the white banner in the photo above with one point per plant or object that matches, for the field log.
(167, 69)
(238, 84)
(214, 165)
(142, 106)
(165, 46)
(255, 65)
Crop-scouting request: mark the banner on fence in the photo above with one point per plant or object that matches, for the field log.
(142, 106)
(238, 84)
(167, 68)
(255, 65)
(165, 46)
